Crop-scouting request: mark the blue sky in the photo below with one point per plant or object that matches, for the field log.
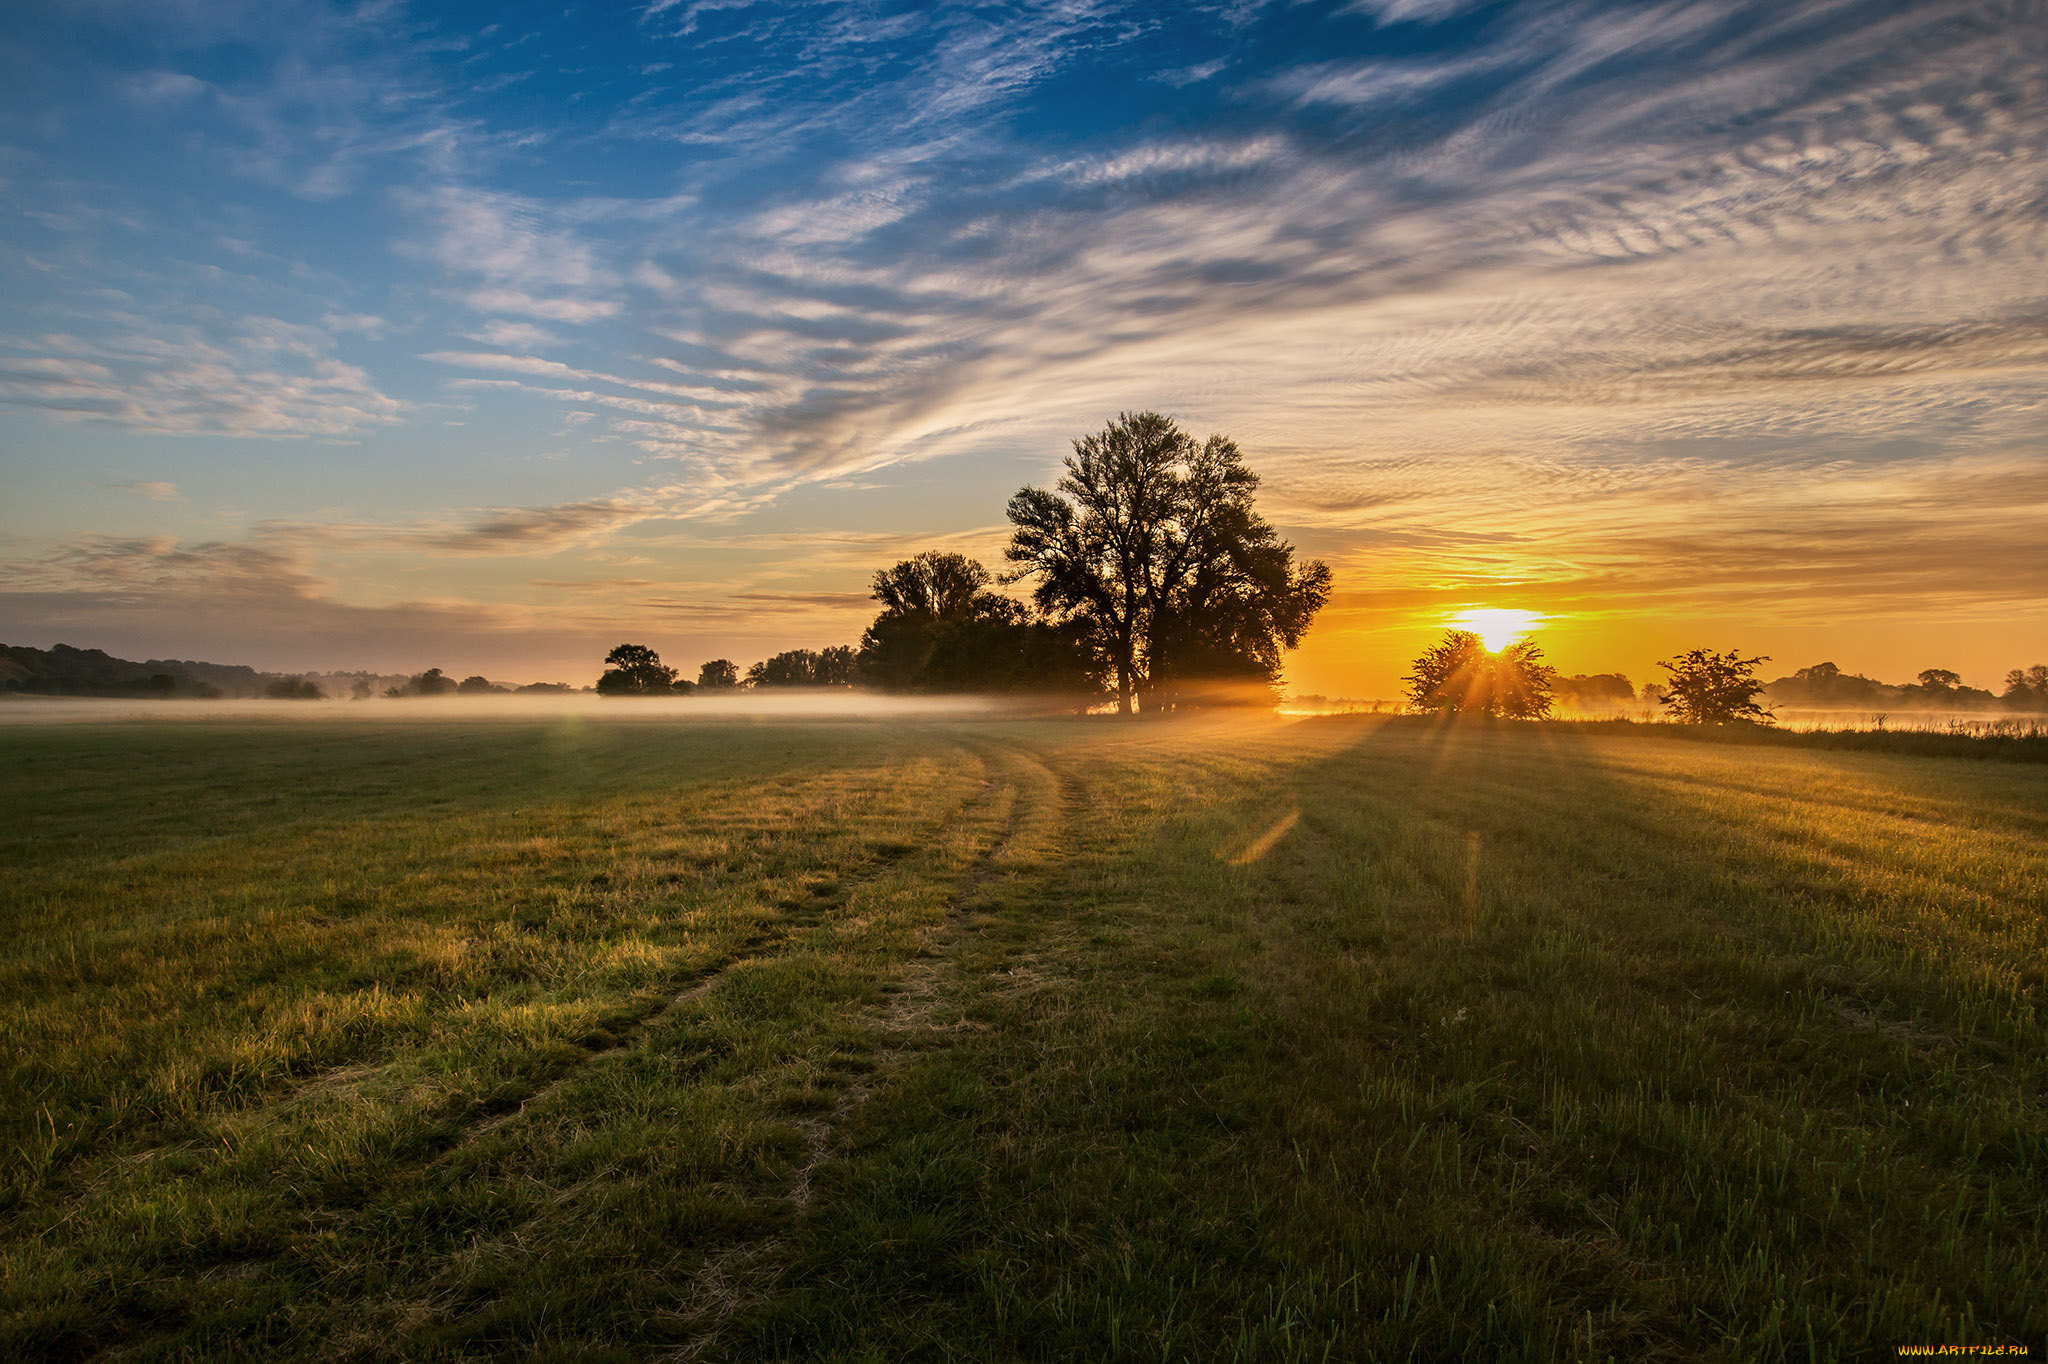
(483, 337)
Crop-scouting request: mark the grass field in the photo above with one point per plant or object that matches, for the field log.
(1345, 1039)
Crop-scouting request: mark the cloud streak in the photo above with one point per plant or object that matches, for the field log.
(225, 376)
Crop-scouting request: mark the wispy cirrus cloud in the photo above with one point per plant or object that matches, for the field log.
(223, 376)
(154, 492)
(1523, 250)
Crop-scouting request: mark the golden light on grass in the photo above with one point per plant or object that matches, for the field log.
(1497, 628)
(1263, 844)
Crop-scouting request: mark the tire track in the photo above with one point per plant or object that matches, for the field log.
(744, 1274)
(627, 1032)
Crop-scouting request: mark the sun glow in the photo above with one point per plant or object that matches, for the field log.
(1497, 629)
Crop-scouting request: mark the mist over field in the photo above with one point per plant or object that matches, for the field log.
(763, 705)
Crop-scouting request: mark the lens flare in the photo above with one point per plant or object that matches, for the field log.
(1496, 628)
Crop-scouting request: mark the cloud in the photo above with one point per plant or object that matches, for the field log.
(155, 492)
(530, 263)
(572, 310)
(498, 332)
(244, 602)
(363, 324)
(172, 85)
(526, 529)
(1763, 543)
(1356, 85)
(1412, 11)
(1369, 255)
(238, 376)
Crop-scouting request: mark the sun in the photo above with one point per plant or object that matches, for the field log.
(1496, 628)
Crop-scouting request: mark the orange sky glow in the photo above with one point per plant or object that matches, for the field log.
(330, 345)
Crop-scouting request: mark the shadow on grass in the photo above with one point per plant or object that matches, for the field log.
(1516, 1044)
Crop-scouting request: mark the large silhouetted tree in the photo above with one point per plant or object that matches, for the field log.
(718, 675)
(1460, 677)
(1150, 542)
(1710, 688)
(636, 670)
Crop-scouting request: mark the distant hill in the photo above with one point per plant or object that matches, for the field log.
(66, 671)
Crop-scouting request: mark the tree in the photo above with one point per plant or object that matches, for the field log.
(635, 670)
(2027, 689)
(718, 675)
(936, 587)
(1709, 688)
(1825, 684)
(924, 600)
(804, 668)
(1940, 679)
(1459, 676)
(834, 667)
(1594, 691)
(429, 683)
(290, 689)
(943, 629)
(1150, 543)
(476, 686)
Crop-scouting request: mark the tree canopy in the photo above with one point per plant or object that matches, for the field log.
(718, 675)
(1594, 691)
(1149, 544)
(943, 628)
(635, 670)
(432, 682)
(2027, 688)
(284, 689)
(1460, 677)
(804, 668)
(1711, 688)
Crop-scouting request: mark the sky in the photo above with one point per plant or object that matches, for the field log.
(485, 337)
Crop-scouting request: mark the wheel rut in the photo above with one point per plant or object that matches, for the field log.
(626, 1032)
(745, 1273)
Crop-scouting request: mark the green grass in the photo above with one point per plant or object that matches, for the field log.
(1345, 1039)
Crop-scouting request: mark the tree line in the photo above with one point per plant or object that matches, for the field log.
(1459, 675)
(1150, 577)
(636, 670)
